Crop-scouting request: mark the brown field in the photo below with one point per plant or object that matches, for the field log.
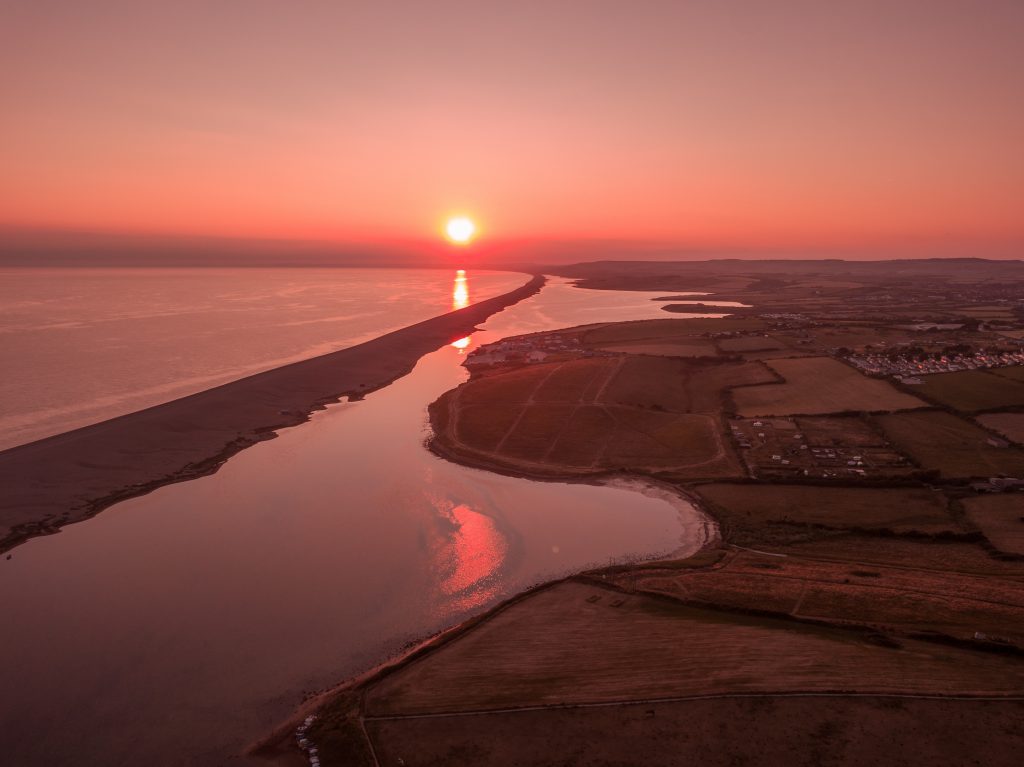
(655, 414)
(750, 344)
(662, 330)
(898, 509)
(950, 445)
(820, 385)
(1014, 372)
(685, 348)
(859, 549)
(777, 354)
(1000, 518)
(1010, 425)
(857, 337)
(972, 390)
(845, 430)
(766, 730)
(575, 643)
(982, 313)
(901, 599)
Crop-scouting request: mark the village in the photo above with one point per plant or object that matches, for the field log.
(907, 367)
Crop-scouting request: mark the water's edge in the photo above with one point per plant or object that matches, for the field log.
(279, 742)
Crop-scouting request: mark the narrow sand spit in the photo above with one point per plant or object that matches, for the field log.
(72, 476)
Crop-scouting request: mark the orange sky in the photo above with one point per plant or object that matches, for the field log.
(876, 127)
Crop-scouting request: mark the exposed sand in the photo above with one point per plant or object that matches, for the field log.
(72, 476)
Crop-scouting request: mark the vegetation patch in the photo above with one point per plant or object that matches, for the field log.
(816, 385)
(950, 445)
(1010, 425)
(1000, 519)
(973, 390)
(897, 509)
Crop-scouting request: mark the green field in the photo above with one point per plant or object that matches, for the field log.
(898, 509)
(973, 390)
(950, 445)
(817, 385)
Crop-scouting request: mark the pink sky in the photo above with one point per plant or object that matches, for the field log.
(884, 128)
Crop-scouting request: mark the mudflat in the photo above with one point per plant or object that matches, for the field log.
(72, 476)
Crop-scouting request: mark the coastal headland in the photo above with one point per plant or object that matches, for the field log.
(72, 476)
(863, 601)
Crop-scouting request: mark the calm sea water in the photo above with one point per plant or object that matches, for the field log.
(78, 346)
(176, 628)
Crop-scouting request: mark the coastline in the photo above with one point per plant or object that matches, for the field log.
(73, 476)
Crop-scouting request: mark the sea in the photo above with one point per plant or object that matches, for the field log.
(81, 345)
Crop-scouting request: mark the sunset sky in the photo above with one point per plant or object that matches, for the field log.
(874, 128)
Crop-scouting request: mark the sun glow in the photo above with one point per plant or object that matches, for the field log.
(460, 230)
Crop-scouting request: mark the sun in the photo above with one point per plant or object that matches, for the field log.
(460, 230)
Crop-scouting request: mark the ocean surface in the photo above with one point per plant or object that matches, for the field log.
(79, 346)
(179, 627)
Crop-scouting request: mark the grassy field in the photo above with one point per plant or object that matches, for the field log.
(858, 549)
(682, 348)
(1000, 518)
(665, 330)
(575, 643)
(816, 385)
(897, 598)
(750, 344)
(972, 390)
(680, 387)
(845, 430)
(898, 509)
(797, 732)
(1010, 425)
(950, 445)
(1014, 372)
(656, 414)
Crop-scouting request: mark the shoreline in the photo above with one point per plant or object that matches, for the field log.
(73, 476)
(278, 745)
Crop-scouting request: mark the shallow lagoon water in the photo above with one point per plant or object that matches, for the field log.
(178, 627)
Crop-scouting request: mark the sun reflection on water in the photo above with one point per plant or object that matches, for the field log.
(460, 300)
(471, 558)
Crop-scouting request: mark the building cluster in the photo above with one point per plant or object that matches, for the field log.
(780, 448)
(998, 485)
(908, 368)
(526, 349)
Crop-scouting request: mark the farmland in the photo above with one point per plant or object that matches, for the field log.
(1010, 425)
(863, 730)
(1000, 518)
(638, 412)
(643, 658)
(950, 445)
(666, 330)
(578, 643)
(816, 385)
(896, 509)
(973, 390)
(834, 447)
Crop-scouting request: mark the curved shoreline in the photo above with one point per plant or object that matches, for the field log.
(278, 744)
(73, 476)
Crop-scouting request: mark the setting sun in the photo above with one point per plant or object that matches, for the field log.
(460, 230)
